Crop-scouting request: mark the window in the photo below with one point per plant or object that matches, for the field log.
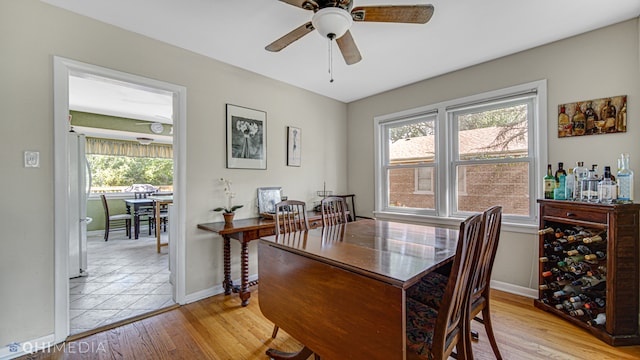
(424, 180)
(409, 163)
(459, 157)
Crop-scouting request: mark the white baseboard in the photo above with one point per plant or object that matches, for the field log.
(216, 290)
(16, 349)
(514, 289)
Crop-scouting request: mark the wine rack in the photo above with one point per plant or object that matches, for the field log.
(589, 267)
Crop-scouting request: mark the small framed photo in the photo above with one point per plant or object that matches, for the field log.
(246, 138)
(294, 148)
(268, 197)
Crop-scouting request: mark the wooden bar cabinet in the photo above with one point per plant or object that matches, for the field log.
(617, 226)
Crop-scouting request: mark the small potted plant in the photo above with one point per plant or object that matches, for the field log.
(229, 211)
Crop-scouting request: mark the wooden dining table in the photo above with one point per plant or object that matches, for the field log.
(341, 290)
(245, 231)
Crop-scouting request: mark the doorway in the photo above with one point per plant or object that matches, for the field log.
(63, 69)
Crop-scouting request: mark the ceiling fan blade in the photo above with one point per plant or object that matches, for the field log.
(415, 14)
(305, 4)
(348, 48)
(290, 37)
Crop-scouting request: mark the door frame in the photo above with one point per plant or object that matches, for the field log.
(62, 68)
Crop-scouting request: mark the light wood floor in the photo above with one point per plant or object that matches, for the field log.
(219, 328)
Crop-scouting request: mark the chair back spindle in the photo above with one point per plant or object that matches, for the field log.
(334, 211)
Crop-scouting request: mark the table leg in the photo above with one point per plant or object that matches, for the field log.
(245, 293)
(303, 354)
(227, 284)
(136, 222)
(129, 212)
(157, 208)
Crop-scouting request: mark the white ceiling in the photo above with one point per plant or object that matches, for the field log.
(460, 34)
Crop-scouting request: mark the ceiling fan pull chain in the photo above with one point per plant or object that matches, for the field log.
(330, 62)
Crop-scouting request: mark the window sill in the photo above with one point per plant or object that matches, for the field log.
(448, 222)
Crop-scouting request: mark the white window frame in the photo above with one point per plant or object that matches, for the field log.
(445, 179)
(384, 162)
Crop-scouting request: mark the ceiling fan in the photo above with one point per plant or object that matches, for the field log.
(333, 18)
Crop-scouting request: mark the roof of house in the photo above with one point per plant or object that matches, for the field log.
(482, 141)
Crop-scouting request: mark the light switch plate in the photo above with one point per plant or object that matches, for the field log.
(32, 159)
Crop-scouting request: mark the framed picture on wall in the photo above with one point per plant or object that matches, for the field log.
(246, 138)
(294, 146)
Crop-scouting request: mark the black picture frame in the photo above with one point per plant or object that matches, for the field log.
(246, 138)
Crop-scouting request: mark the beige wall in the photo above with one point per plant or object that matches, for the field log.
(598, 64)
(31, 33)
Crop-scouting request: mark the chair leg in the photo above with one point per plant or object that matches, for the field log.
(106, 230)
(486, 317)
(275, 331)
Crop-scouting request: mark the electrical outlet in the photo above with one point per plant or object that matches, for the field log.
(32, 159)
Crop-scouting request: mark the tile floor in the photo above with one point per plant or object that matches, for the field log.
(126, 278)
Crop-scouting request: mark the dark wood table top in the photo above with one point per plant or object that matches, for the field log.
(396, 253)
(249, 224)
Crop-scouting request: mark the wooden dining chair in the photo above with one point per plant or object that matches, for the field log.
(108, 219)
(291, 216)
(435, 333)
(334, 211)
(480, 283)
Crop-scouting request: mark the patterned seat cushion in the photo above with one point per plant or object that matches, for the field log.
(421, 321)
(429, 290)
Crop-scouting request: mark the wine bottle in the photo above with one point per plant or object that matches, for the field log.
(592, 239)
(625, 180)
(600, 319)
(549, 183)
(548, 230)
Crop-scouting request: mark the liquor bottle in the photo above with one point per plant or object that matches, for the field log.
(607, 188)
(564, 123)
(580, 173)
(621, 120)
(590, 186)
(600, 319)
(579, 122)
(549, 183)
(570, 183)
(591, 119)
(608, 115)
(625, 180)
(560, 176)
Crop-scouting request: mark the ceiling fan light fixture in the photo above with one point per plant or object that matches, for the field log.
(144, 140)
(332, 22)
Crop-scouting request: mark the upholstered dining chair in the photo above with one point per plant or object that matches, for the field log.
(430, 289)
(108, 219)
(480, 283)
(334, 211)
(435, 333)
(291, 216)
